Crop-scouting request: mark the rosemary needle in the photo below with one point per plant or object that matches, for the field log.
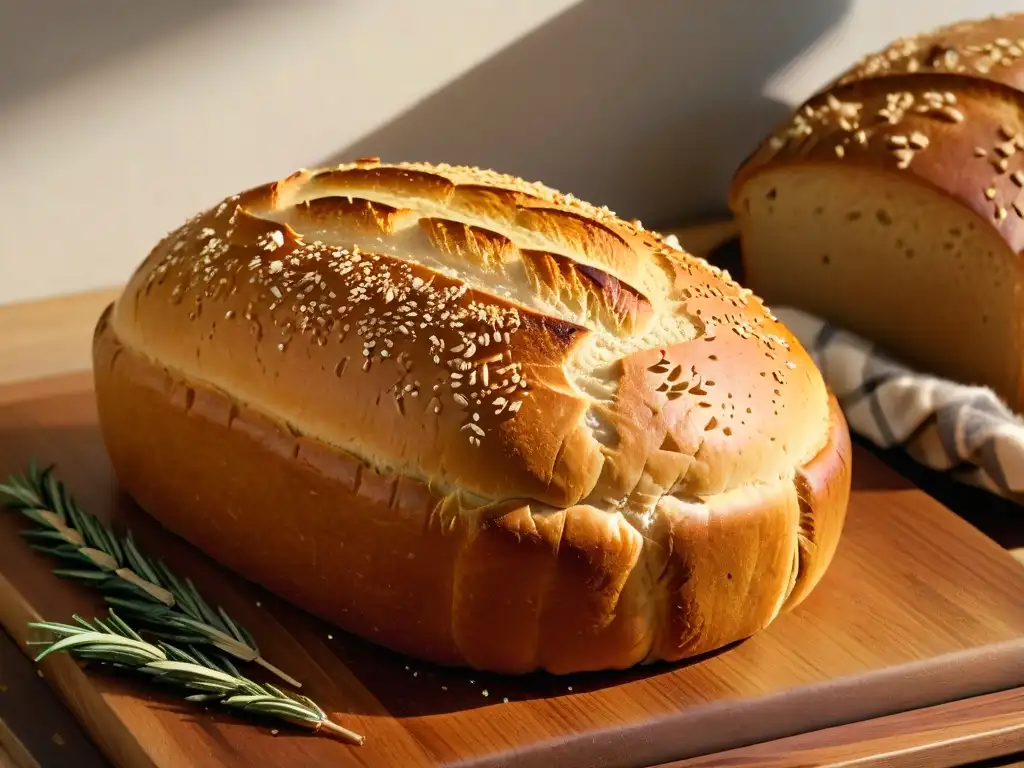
(114, 642)
(142, 587)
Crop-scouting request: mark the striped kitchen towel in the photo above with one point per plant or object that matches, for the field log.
(963, 430)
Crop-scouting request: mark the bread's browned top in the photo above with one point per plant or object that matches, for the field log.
(482, 333)
(990, 48)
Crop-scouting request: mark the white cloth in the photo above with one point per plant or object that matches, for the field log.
(963, 430)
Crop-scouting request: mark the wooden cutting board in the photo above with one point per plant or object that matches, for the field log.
(918, 608)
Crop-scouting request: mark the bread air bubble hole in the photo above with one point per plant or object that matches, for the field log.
(883, 217)
(854, 216)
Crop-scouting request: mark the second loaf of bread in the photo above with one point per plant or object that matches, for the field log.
(892, 204)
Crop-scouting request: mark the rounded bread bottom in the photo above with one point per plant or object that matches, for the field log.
(509, 587)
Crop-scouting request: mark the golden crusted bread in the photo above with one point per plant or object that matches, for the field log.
(473, 419)
(891, 204)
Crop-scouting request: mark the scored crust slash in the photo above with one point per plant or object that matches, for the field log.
(473, 419)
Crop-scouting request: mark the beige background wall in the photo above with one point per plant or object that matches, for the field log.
(118, 118)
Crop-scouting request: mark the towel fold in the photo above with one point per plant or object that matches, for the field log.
(966, 431)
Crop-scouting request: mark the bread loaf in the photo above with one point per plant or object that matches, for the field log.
(473, 420)
(890, 204)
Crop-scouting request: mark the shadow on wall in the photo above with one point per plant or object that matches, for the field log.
(647, 107)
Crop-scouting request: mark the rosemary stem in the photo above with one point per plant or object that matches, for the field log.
(201, 676)
(156, 591)
(274, 670)
(344, 734)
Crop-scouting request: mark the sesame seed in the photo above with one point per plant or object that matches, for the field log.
(903, 157)
(1006, 149)
(952, 114)
(918, 140)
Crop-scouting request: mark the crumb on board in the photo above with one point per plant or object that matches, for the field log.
(57, 739)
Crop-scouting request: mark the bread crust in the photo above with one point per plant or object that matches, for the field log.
(674, 475)
(990, 48)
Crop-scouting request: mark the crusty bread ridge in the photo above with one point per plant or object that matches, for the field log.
(473, 419)
(891, 203)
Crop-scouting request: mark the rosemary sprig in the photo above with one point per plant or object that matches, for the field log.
(114, 642)
(142, 587)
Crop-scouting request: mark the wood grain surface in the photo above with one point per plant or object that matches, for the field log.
(49, 337)
(919, 608)
(36, 729)
(948, 734)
